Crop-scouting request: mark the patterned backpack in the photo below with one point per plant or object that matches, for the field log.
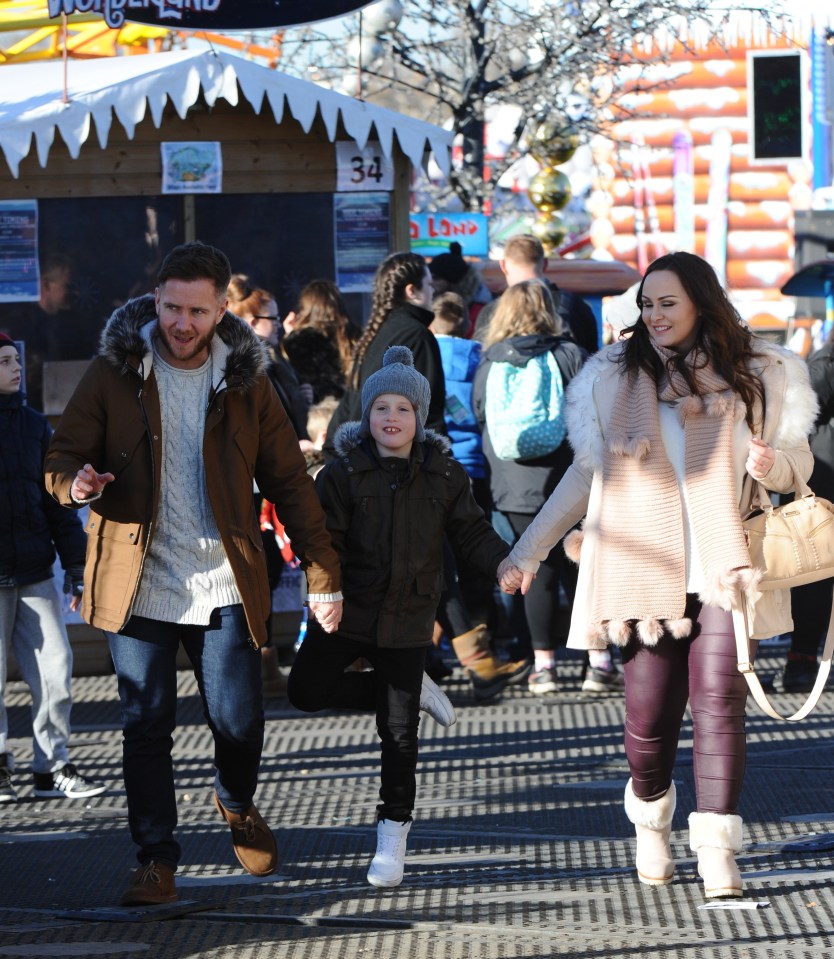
(524, 408)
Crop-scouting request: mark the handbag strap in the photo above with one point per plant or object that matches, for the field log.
(746, 668)
(760, 496)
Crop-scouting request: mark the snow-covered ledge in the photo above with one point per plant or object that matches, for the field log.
(32, 103)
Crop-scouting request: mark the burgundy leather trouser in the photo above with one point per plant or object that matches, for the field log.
(659, 680)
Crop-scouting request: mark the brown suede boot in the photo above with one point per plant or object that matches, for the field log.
(488, 675)
(151, 885)
(252, 840)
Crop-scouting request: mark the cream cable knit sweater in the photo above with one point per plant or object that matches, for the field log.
(186, 573)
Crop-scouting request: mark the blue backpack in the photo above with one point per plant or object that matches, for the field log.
(524, 408)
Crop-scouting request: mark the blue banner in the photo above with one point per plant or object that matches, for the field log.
(431, 233)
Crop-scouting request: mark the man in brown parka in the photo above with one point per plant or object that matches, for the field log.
(164, 437)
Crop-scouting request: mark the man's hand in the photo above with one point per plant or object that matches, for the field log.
(89, 483)
(328, 615)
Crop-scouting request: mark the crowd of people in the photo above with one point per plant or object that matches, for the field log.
(461, 478)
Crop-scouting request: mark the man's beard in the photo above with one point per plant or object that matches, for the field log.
(185, 351)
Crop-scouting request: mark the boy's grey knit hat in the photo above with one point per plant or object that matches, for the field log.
(397, 375)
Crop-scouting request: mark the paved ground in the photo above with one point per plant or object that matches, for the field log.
(519, 848)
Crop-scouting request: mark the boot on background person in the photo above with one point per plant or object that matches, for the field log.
(488, 674)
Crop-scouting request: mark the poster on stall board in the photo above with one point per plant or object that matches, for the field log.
(362, 234)
(20, 279)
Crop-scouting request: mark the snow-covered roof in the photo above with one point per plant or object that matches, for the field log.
(31, 102)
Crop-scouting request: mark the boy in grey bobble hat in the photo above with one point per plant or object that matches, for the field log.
(397, 375)
(391, 498)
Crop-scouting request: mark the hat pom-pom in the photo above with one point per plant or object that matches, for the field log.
(398, 354)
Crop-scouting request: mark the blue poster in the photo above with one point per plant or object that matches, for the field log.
(362, 225)
(19, 271)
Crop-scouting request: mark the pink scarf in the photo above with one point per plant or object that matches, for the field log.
(640, 572)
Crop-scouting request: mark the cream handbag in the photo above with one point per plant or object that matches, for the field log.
(793, 544)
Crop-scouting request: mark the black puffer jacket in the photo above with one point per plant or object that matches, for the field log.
(821, 370)
(523, 486)
(30, 520)
(387, 518)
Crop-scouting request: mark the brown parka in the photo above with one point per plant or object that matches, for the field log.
(113, 421)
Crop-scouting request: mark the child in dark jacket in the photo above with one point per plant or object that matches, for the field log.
(32, 525)
(390, 497)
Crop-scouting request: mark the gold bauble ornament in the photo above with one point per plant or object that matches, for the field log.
(553, 143)
(549, 190)
(550, 230)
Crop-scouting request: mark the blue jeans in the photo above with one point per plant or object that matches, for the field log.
(31, 622)
(228, 673)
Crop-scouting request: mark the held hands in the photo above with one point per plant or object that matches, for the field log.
(510, 577)
(760, 458)
(328, 615)
(88, 483)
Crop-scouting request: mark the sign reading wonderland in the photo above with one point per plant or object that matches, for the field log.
(208, 14)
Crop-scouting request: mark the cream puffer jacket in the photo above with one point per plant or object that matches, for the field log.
(790, 412)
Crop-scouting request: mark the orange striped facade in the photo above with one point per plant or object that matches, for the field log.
(702, 93)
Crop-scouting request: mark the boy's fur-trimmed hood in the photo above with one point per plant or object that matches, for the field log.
(125, 342)
(348, 438)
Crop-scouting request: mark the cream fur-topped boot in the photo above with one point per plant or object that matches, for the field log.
(716, 838)
(653, 825)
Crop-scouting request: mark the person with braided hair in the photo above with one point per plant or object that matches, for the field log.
(400, 315)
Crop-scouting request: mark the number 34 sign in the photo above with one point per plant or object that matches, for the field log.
(367, 169)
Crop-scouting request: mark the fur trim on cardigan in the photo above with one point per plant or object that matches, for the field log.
(724, 591)
(572, 544)
(348, 438)
(123, 344)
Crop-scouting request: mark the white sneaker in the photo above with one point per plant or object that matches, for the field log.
(436, 703)
(388, 863)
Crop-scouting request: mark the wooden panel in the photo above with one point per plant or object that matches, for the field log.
(741, 244)
(741, 216)
(597, 277)
(690, 73)
(754, 185)
(661, 132)
(756, 274)
(661, 162)
(685, 103)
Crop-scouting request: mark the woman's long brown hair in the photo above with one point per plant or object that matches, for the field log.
(721, 336)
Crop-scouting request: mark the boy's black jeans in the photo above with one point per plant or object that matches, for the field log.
(318, 681)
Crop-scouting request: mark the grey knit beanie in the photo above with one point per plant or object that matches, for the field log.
(397, 375)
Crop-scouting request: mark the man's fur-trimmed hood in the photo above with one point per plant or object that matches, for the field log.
(125, 343)
(798, 411)
(348, 438)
